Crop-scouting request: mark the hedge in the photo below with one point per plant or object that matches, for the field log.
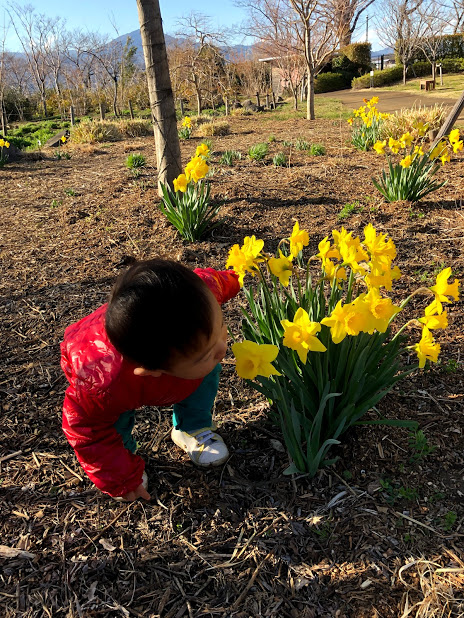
(450, 46)
(359, 53)
(327, 82)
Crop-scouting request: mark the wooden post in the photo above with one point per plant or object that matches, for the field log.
(273, 100)
(267, 101)
(257, 99)
(102, 112)
(71, 115)
(131, 111)
(449, 122)
(181, 101)
(226, 101)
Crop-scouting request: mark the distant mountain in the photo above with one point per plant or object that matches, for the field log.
(388, 51)
(239, 50)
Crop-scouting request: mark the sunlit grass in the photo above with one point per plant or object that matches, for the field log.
(325, 107)
(452, 86)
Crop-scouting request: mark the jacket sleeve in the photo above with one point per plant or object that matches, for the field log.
(89, 428)
(222, 283)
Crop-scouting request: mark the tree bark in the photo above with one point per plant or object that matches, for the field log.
(160, 92)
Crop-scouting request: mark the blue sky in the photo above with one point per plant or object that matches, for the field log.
(98, 15)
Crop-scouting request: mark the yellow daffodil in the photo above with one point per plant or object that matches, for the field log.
(384, 116)
(245, 259)
(281, 268)
(382, 309)
(327, 251)
(421, 128)
(332, 271)
(445, 158)
(187, 122)
(379, 147)
(63, 139)
(299, 335)
(2, 143)
(406, 162)
(381, 250)
(348, 319)
(394, 145)
(454, 136)
(255, 360)
(432, 319)
(374, 101)
(6, 144)
(298, 239)
(350, 248)
(457, 146)
(427, 349)
(180, 183)
(202, 151)
(350, 121)
(442, 289)
(366, 101)
(196, 169)
(406, 140)
(418, 151)
(439, 149)
(380, 277)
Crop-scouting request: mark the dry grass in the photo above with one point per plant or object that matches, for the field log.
(441, 588)
(405, 120)
(240, 111)
(93, 131)
(135, 128)
(209, 129)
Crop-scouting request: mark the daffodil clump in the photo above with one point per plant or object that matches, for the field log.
(4, 144)
(366, 123)
(411, 176)
(186, 128)
(187, 206)
(320, 345)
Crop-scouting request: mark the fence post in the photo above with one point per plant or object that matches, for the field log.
(257, 99)
(267, 101)
(102, 112)
(71, 115)
(131, 111)
(181, 101)
(4, 121)
(226, 101)
(273, 100)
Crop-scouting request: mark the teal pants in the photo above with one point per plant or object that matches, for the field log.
(189, 415)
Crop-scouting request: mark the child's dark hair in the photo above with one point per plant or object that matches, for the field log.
(157, 307)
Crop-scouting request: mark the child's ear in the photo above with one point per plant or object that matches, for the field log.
(141, 371)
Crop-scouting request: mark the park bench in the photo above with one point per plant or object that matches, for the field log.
(428, 84)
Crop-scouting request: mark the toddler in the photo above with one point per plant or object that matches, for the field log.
(158, 341)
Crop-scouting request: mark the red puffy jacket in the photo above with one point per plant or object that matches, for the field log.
(103, 386)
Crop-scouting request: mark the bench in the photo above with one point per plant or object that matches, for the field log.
(428, 84)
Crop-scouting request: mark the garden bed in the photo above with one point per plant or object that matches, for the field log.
(242, 540)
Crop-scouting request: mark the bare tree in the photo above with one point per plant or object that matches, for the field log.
(201, 53)
(458, 16)
(34, 31)
(320, 37)
(435, 23)
(346, 17)
(160, 91)
(400, 26)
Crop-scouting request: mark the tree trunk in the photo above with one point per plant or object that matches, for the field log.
(160, 92)
(405, 69)
(115, 97)
(434, 70)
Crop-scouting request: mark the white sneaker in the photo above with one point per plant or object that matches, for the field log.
(204, 447)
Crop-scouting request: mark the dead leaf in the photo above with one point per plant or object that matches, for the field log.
(106, 545)
(13, 552)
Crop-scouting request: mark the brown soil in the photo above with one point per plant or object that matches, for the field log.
(242, 540)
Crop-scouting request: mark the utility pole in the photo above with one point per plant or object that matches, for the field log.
(367, 28)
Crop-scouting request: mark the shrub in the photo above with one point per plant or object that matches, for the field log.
(95, 131)
(301, 144)
(328, 82)
(381, 78)
(135, 128)
(258, 151)
(213, 128)
(359, 53)
(316, 150)
(279, 160)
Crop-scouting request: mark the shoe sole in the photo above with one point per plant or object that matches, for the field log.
(212, 464)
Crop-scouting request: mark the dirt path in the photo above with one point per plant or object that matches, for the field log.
(389, 100)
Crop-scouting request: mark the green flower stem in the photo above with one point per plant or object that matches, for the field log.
(413, 321)
(418, 291)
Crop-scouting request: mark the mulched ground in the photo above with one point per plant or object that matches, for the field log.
(242, 540)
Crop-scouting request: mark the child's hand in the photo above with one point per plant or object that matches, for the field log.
(140, 492)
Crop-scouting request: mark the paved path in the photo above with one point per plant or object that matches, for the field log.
(389, 100)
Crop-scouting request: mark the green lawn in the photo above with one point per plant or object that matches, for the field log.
(453, 85)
